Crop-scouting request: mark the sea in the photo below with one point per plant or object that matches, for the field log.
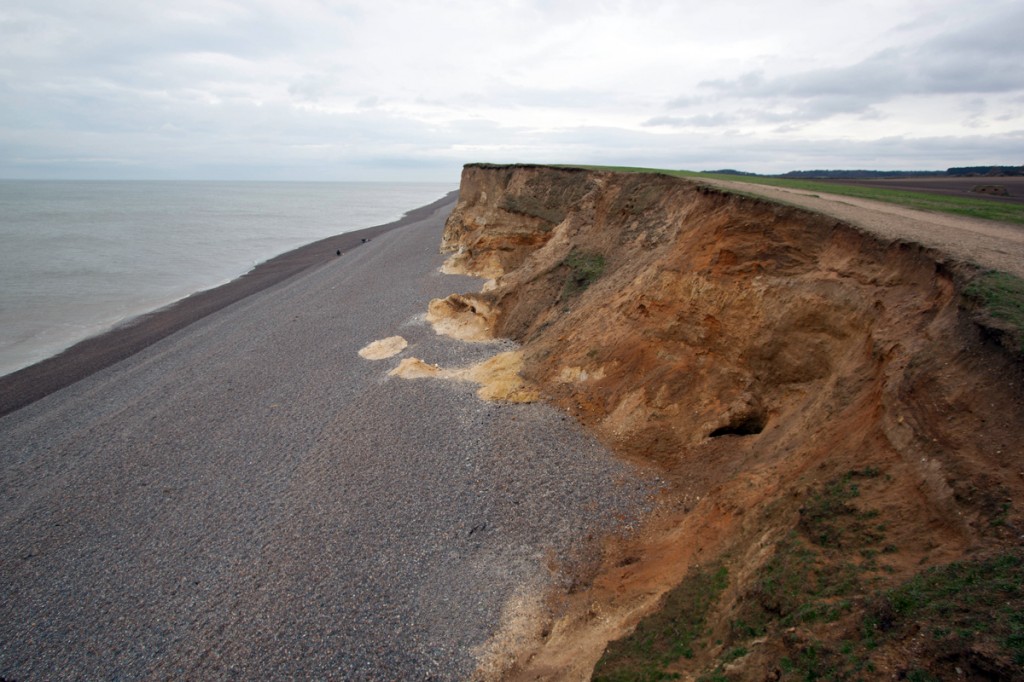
(78, 258)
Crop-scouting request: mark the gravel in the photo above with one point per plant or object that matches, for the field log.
(248, 498)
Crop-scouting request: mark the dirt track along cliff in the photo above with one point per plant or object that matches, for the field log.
(824, 401)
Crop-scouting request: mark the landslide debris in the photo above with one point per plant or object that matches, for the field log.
(838, 418)
(383, 348)
(498, 376)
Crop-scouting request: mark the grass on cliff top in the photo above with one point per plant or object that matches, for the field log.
(965, 206)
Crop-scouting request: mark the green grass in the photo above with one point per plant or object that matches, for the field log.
(813, 577)
(798, 585)
(1002, 296)
(830, 522)
(952, 612)
(969, 611)
(584, 269)
(965, 606)
(966, 206)
(666, 636)
(808, 580)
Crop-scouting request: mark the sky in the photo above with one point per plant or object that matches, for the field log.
(399, 90)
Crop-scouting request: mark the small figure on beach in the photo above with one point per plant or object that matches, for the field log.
(339, 252)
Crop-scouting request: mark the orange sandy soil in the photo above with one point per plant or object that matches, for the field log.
(753, 354)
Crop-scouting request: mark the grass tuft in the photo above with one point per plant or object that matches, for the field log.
(666, 636)
(968, 606)
(829, 521)
(1002, 296)
(584, 269)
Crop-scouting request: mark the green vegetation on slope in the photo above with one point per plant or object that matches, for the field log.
(966, 206)
(821, 606)
(584, 269)
(961, 607)
(666, 636)
(1002, 296)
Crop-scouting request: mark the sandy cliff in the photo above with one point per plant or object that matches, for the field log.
(806, 388)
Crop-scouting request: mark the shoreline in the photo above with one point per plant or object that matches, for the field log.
(251, 495)
(29, 384)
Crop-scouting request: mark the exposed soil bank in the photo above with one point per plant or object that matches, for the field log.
(762, 358)
(29, 384)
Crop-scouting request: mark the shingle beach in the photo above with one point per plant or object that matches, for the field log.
(248, 498)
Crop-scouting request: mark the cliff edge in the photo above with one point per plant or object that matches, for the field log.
(839, 425)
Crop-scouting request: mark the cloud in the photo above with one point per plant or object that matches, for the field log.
(314, 90)
(698, 121)
(982, 58)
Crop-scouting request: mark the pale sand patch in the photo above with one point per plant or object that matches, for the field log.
(414, 368)
(461, 317)
(499, 379)
(498, 376)
(456, 265)
(488, 267)
(384, 348)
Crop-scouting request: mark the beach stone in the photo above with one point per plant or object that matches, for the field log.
(248, 497)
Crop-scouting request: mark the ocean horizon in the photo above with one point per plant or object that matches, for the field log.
(80, 257)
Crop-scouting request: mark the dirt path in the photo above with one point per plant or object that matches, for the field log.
(990, 244)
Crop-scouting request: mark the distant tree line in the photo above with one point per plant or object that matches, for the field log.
(989, 171)
(728, 171)
(856, 174)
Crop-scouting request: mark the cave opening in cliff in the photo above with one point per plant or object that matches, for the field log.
(744, 425)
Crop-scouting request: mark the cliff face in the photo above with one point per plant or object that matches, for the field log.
(756, 355)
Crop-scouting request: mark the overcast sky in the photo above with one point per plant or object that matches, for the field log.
(411, 90)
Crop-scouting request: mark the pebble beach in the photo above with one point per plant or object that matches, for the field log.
(243, 496)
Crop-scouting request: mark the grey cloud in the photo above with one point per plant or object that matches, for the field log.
(326, 86)
(696, 150)
(792, 115)
(982, 58)
(504, 94)
(685, 101)
(310, 144)
(118, 88)
(698, 121)
(142, 46)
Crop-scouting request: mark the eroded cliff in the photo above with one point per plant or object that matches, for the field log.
(821, 401)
